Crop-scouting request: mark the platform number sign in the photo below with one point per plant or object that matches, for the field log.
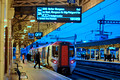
(30, 35)
(71, 1)
(38, 35)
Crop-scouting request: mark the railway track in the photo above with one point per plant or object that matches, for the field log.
(83, 72)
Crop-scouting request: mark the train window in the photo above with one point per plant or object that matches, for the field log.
(55, 51)
(71, 51)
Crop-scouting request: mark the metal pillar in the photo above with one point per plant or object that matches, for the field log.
(2, 4)
(119, 54)
(90, 53)
(109, 51)
(95, 54)
(46, 2)
(17, 52)
(105, 50)
(75, 52)
(99, 54)
(86, 51)
(116, 54)
(12, 50)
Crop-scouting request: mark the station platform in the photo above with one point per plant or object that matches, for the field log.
(100, 63)
(39, 74)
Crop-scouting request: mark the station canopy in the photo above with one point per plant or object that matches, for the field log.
(110, 42)
(25, 22)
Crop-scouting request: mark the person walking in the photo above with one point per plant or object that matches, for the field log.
(23, 57)
(37, 60)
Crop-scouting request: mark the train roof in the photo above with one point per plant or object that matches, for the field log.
(58, 42)
(55, 43)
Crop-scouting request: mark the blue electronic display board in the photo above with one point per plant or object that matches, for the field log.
(30, 35)
(38, 35)
(58, 14)
(71, 1)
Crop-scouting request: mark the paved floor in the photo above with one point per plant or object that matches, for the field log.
(41, 74)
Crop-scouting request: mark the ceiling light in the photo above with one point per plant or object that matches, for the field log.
(32, 20)
(25, 30)
(5, 26)
(23, 35)
(5, 20)
(29, 26)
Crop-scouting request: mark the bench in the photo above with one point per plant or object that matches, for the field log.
(22, 75)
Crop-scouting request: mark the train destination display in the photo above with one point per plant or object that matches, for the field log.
(58, 14)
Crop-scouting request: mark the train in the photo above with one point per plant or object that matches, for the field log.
(59, 56)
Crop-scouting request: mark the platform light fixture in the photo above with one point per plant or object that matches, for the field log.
(29, 26)
(25, 30)
(5, 20)
(23, 35)
(84, 41)
(21, 41)
(32, 20)
(5, 26)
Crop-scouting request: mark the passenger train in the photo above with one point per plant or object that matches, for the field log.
(60, 56)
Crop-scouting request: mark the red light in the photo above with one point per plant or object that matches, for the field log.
(55, 62)
(72, 61)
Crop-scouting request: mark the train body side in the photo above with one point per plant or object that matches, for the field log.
(59, 57)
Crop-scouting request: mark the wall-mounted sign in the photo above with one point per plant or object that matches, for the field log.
(30, 35)
(38, 35)
(58, 14)
(71, 1)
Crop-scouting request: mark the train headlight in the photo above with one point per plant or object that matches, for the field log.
(72, 61)
(55, 62)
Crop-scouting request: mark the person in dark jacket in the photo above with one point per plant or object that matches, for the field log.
(37, 60)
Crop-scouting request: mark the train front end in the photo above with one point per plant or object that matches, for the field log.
(66, 58)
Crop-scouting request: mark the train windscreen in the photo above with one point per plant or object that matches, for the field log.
(55, 51)
(71, 51)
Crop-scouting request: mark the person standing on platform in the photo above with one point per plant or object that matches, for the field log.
(23, 57)
(37, 60)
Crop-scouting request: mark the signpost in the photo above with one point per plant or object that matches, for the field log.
(58, 14)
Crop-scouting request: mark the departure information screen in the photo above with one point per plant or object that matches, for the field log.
(58, 14)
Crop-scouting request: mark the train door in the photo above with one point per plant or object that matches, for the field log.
(64, 61)
(43, 56)
(64, 58)
(48, 52)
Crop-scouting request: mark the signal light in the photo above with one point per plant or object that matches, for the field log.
(72, 61)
